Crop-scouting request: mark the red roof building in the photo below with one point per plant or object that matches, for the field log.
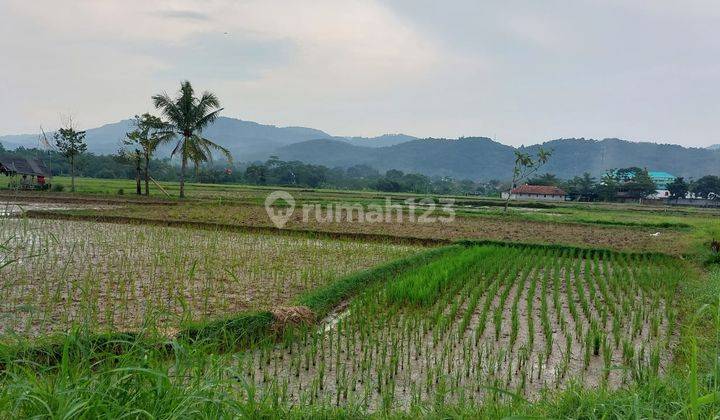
(536, 192)
(537, 189)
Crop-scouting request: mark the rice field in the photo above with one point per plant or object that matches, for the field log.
(486, 323)
(59, 275)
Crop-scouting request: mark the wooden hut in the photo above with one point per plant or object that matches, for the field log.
(25, 173)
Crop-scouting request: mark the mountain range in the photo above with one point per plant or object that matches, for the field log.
(477, 158)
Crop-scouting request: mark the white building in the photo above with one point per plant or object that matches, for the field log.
(535, 192)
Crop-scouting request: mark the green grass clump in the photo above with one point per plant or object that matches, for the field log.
(237, 331)
(422, 286)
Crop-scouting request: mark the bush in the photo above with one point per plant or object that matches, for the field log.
(58, 187)
(121, 192)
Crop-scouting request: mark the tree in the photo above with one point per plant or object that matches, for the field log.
(257, 174)
(149, 133)
(678, 188)
(640, 185)
(362, 171)
(132, 156)
(394, 174)
(187, 116)
(545, 179)
(387, 185)
(71, 144)
(526, 166)
(583, 187)
(706, 185)
(608, 188)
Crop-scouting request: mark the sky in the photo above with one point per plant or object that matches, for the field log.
(520, 72)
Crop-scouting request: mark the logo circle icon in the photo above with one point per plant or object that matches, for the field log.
(279, 219)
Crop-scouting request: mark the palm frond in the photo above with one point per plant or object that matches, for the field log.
(178, 146)
(207, 119)
(208, 144)
(169, 109)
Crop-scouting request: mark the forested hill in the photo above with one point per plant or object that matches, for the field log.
(476, 158)
(480, 158)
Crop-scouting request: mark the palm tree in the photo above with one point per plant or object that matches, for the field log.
(188, 116)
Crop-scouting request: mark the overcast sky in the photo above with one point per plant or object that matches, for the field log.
(521, 72)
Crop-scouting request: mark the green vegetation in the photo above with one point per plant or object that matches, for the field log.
(70, 144)
(525, 166)
(376, 354)
(139, 320)
(187, 116)
(149, 133)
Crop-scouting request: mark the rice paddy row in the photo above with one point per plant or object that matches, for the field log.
(484, 323)
(107, 277)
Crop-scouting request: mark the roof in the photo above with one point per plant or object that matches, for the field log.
(24, 166)
(537, 189)
(661, 175)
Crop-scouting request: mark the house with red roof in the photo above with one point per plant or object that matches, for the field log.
(536, 192)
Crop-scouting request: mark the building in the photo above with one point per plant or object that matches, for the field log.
(535, 192)
(661, 180)
(24, 173)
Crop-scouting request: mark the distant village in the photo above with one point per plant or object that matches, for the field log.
(660, 185)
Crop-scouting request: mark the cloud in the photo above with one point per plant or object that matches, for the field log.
(103, 60)
(217, 56)
(183, 14)
(522, 71)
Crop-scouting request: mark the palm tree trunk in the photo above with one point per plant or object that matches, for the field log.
(147, 174)
(182, 168)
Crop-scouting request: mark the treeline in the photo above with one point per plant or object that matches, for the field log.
(628, 183)
(271, 172)
(624, 183)
(95, 166)
(359, 177)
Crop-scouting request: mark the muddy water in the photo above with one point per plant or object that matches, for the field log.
(16, 208)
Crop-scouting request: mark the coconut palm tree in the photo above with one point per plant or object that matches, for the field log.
(188, 116)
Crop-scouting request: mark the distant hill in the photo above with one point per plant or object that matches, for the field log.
(483, 159)
(471, 157)
(477, 158)
(245, 139)
(380, 141)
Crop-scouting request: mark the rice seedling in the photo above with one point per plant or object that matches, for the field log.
(108, 277)
(424, 336)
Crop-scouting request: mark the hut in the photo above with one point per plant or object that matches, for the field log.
(25, 173)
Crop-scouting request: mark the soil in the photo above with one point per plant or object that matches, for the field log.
(253, 217)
